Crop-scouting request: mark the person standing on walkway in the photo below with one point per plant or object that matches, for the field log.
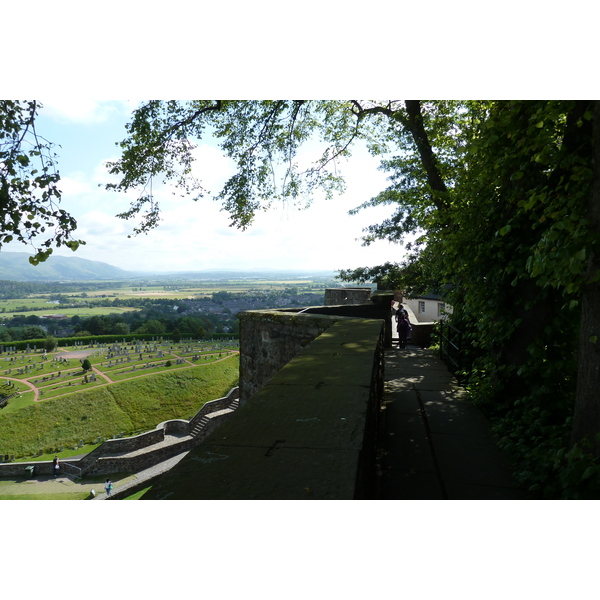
(108, 486)
(403, 329)
(402, 311)
(55, 466)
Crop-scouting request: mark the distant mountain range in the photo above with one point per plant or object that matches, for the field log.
(15, 266)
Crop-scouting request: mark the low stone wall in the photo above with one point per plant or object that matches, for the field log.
(422, 334)
(135, 442)
(308, 433)
(347, 295)
(145, 460)
(270, 339)
(107, 451)
(175, 427)
(214, 406)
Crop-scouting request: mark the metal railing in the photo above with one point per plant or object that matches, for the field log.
(71, 470)
(450, 346)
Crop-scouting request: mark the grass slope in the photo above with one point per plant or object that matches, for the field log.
(127, 407)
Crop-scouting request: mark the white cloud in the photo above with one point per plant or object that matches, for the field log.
(75, 185)
(197, 235)
(84, 110)
(212, 167)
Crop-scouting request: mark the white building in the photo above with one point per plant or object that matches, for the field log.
(427, 309)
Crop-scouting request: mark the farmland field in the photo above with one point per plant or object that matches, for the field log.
(77, 302)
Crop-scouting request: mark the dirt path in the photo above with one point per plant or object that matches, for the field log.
(36, 391)
(62, 353)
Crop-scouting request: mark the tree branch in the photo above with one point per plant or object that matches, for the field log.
(428, 158)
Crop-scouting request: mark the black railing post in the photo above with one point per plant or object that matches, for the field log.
(451, 347)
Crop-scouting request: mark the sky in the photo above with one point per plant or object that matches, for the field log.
(68, 63)
(197, 235)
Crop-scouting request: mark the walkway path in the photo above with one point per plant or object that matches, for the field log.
(436, 444)
(141, 478)
(63, 485)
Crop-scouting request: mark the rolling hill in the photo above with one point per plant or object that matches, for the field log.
(15, 266)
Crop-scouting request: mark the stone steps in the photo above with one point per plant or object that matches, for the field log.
(171, 443)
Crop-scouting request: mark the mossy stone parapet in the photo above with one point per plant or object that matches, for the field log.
(307, 433)
(347, 295)
(269, 339)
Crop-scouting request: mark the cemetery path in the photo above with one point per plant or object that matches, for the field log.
(102, 374)
(74, 353)
(36, 392)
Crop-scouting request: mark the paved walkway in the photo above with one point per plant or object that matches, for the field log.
(141, 478)
(436, 444)
(123, 486)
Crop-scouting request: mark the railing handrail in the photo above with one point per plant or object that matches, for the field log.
(456, 344)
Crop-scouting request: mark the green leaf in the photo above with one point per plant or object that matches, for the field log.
(588, 472)
(580, 255)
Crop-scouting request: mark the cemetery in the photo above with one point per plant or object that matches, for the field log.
(34, 374)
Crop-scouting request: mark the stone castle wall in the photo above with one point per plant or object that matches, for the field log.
(270, 339)
(339, 296)
(308, 432)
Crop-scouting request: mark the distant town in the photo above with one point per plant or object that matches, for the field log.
(34, 310)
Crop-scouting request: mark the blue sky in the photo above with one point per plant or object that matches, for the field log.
(196, 235)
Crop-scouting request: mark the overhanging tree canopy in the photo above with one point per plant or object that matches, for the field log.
(29, 193)
(504, 194)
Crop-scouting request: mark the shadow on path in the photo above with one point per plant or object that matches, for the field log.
(436, 445)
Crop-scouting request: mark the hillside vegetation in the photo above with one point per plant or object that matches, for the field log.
(121, 408)
(15, 266)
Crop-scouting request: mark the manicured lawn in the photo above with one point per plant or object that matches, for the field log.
(61, 488)
(57, 375)
(137, 495)
(65, 496)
